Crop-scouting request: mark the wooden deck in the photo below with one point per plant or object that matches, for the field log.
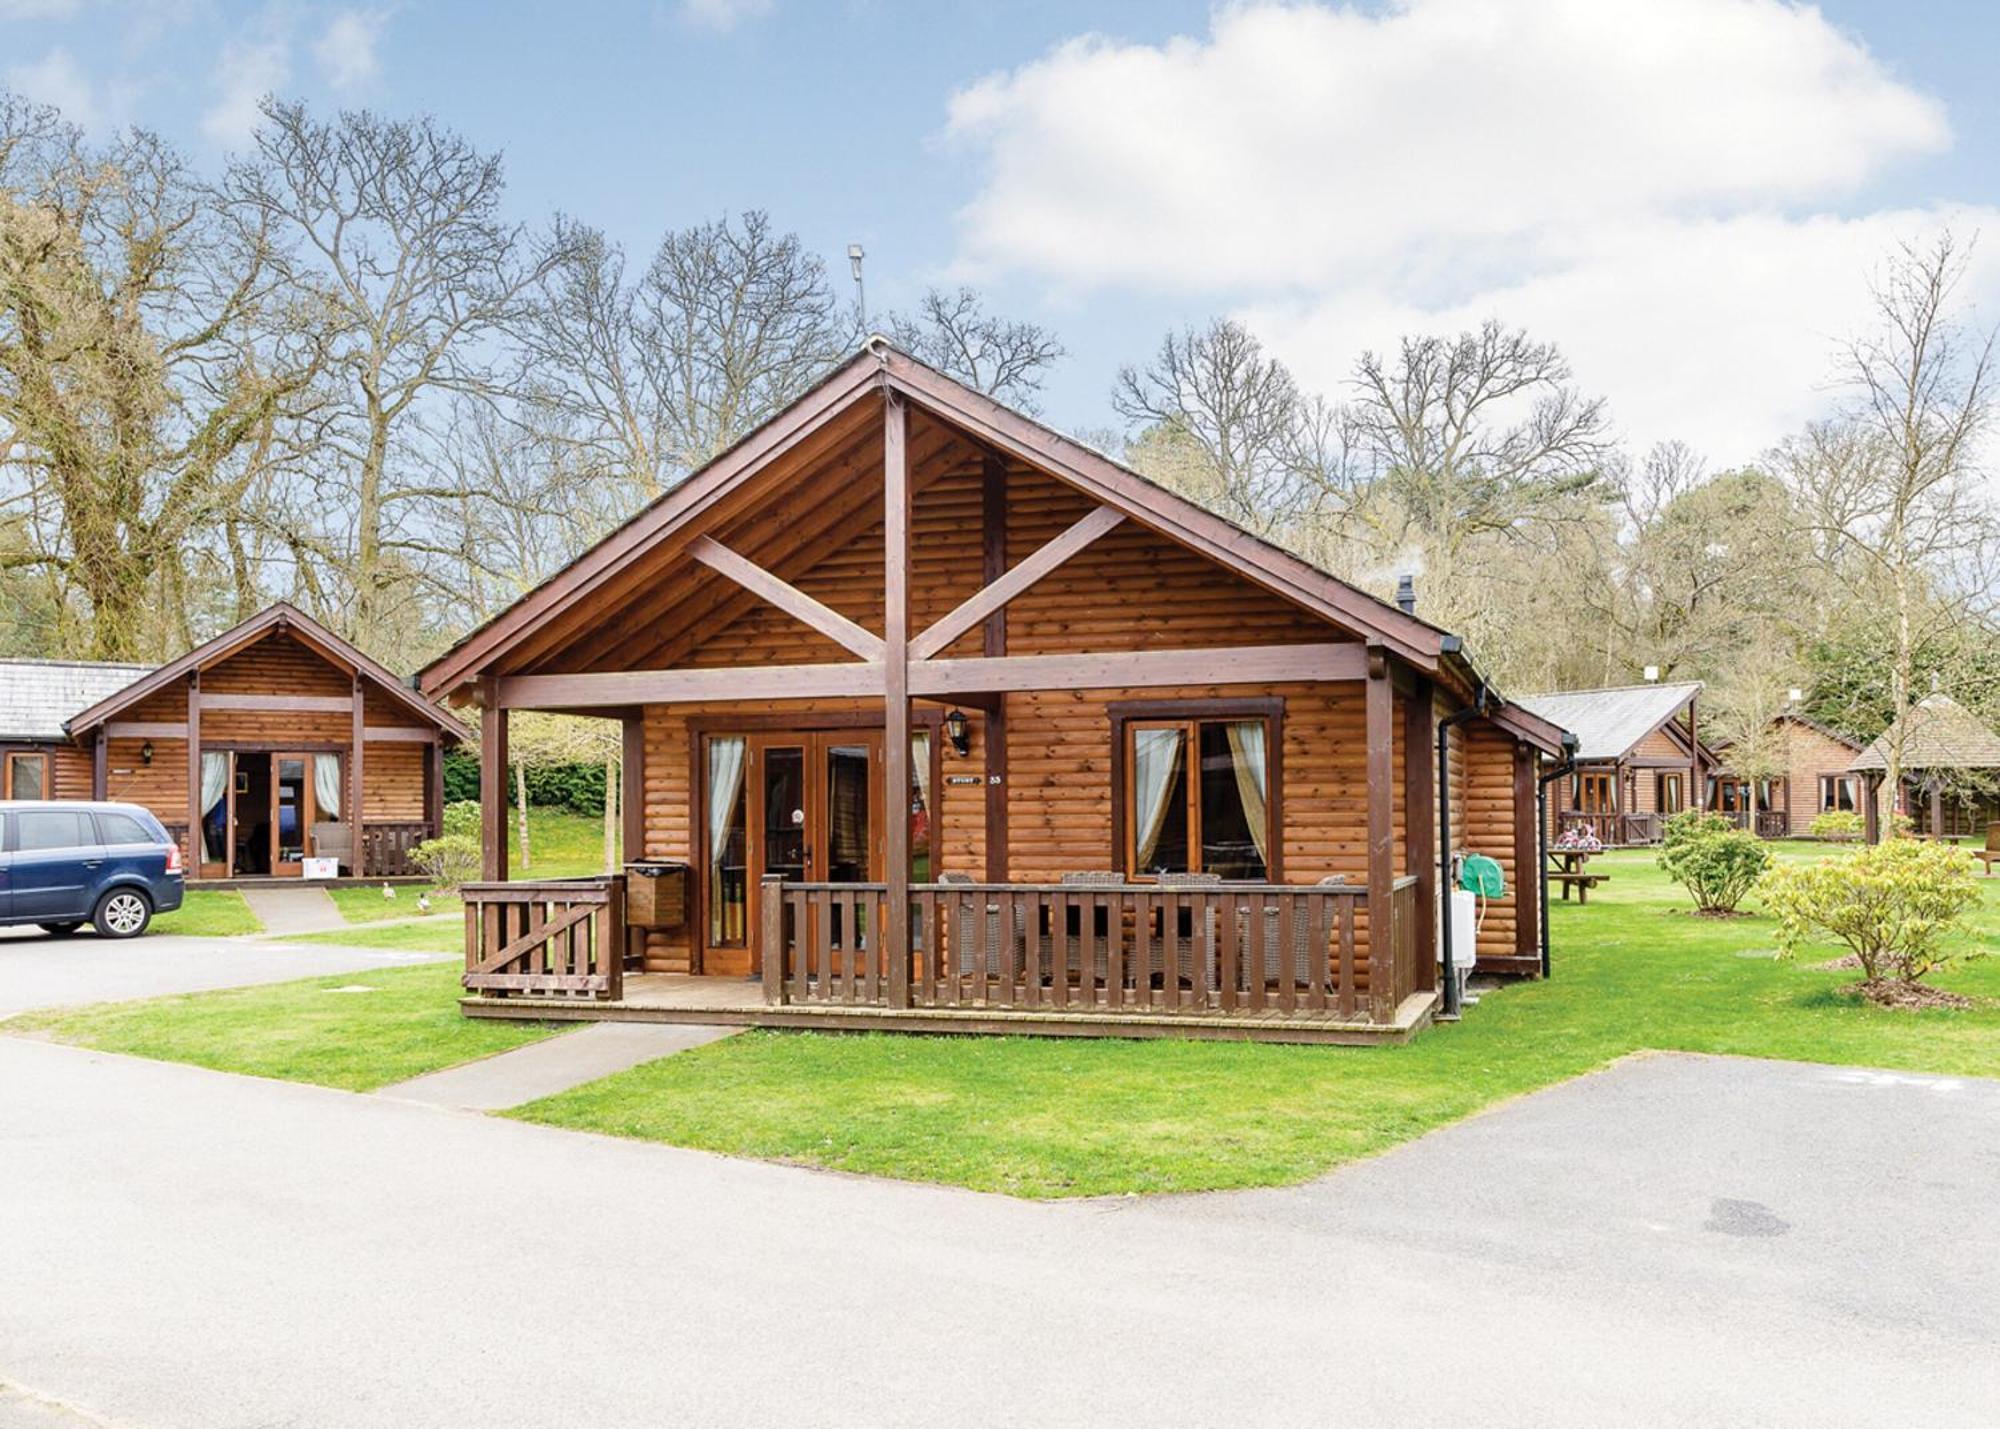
(739, 1002)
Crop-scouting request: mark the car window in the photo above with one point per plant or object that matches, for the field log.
(123, 829)
(36, 829)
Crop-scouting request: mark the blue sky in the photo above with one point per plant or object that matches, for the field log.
(1687, 194)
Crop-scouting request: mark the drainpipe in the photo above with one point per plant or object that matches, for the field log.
(1448, 971)
(1561, 771)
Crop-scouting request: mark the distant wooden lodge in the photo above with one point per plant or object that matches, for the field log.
(1818, 778)
(1639, 759)
(277, 742)
(937, 719)
(1951, 771)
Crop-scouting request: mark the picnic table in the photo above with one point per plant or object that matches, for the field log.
(1571, 871)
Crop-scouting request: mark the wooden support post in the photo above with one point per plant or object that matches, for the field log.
(434, 785)
(993, 565)
(356, 812)
(1937, 809)
(896, 693)
(194, 768)
(492, 783)
(771, 937)
(1420, 822)
(100, 776)
(1527, 880)
(1379, 703)
(632, 785)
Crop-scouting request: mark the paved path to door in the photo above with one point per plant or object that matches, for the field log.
(39, 971)
(541, 1069)
(287, 910)
(1679, 1241)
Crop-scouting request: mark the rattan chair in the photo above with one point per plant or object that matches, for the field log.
(1195, 952)
(964, 908)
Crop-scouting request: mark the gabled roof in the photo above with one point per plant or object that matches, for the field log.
(269, 621)
(878, 368)
(1939, 733)
(1609, 723)
(36, 696)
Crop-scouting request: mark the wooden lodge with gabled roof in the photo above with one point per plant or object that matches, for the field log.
(936, 719)
(275, 743)
(1639, 759)
(1951, 771)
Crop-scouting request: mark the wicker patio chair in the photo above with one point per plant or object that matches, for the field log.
(963, 908)
(1073, 943)
(1195, 951)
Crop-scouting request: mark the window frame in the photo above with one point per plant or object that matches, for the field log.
(1128, 715)
(1831, 782)
(22, 756)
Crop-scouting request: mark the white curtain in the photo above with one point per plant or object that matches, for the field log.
(326, 786)
(725, 781)
(1156, 758)
(214, 781)
(920, 765)
(1246, 750)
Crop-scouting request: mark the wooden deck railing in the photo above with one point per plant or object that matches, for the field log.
(386, 848)
(1248, 950)
(1771, 823)
(1615, 830)
(559, 937)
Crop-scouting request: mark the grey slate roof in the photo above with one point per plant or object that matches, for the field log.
(1942, 734)
(36, 696)
(1607, 723)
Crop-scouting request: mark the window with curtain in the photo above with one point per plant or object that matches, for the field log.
(27, 776)
(1197, 797)
(214, 807)
(920, 806)
(728, 888)
(1839, 793)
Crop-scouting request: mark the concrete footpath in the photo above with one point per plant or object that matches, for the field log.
(541, 1069)
(291, 909)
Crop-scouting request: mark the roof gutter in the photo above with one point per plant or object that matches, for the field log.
(1449, 974)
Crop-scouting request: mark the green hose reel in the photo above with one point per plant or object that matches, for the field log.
(1481, 875)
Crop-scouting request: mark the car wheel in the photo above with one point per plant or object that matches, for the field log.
(122, 913)
(60, 930)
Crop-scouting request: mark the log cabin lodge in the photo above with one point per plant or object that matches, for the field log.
(935, 719)
(278, 741)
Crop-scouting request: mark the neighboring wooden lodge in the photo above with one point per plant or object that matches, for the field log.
(1951, 764)
(1160, 776)
(1819, 778)
(277, 740)
(1639, 759)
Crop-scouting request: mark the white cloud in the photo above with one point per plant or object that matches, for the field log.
(346, 48)
(247, 70)
(58, 81)
(721, 16)
(1664, 188)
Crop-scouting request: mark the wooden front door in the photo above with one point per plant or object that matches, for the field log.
(810, 811)
(292, 812)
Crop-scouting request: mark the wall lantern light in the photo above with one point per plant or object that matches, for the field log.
(146, 752)
(958, 732)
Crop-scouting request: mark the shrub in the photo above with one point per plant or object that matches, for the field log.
(1716, 868)
(1894, 905)
(1840, 825)
(461, 816)
(448, 861)
(1694, 824)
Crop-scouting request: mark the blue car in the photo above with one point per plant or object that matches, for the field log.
(66, 864)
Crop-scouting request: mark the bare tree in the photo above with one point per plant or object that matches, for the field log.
(1218, 419)
(653, 377)
(1742, 713)
(145, 366)
(1002, 357)
(1476, 433)
(1890, 495)
(394, 228)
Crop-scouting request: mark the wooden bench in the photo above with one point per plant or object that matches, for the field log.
(1991, 853)
(1582, 882)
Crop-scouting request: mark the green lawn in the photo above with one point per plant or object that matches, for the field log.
(209, 912)
(322, 1030)
(364, 903)
(1042, 1118)
(1052, 1118)
(427, 935)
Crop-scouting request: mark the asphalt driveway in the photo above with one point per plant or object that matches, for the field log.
(37, 970)
(1678, 1241)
